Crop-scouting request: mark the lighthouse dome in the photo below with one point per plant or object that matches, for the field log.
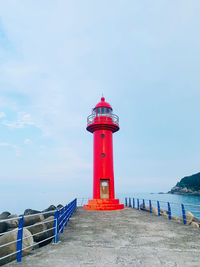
(103, 104)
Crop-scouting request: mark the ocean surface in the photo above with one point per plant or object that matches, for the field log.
(17, 203)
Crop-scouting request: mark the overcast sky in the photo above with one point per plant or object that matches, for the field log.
(56, 59)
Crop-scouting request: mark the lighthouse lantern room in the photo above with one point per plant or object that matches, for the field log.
(103, 123)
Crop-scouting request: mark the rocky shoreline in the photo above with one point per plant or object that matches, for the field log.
(183, 191)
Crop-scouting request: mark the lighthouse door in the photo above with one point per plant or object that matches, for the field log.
(104, 188)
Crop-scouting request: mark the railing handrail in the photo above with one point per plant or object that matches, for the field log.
(175, 203)
(91, 117)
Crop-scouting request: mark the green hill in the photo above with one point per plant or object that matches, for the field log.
(191, 182)
(188, 185)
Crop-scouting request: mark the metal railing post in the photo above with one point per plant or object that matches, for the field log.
(62, 219)
(55, 227)
(125, 201)
(143, 205)
(169, 211)
(138, 204)
(158, 204)
(65, 221)
(150, 206)
(133, 203)
(183, 212)
(70, 211)
(20, 239)
(129, 202)
(76, 203)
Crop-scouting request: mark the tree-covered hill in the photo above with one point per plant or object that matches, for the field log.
(188, 184)
(191, 182)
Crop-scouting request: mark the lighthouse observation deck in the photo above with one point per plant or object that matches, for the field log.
(100, 118)
(102, 121)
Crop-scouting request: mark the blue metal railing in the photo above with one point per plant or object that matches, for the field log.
(162, 208)
(61, 218)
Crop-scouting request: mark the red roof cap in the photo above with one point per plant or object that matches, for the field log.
(103, 104)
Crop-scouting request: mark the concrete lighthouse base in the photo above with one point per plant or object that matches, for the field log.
(103, 204)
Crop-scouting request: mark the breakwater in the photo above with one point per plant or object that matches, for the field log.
(38, 230)
(120, 238)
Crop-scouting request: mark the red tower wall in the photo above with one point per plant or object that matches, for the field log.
(103, 162)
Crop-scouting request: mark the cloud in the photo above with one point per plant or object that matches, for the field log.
(27, 141)
(16, 148)
(4, 144)
(24, 119)
(2, 115)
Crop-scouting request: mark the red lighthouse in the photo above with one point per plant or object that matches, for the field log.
(103, 123)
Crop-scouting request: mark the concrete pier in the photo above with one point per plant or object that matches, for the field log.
(120, 238)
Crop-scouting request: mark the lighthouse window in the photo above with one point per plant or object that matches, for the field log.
(103, 155)
(103, 110)
(99, 110)
(108, 111)
(102, 135)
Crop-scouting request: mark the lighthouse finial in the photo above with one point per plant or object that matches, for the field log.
(102, 98)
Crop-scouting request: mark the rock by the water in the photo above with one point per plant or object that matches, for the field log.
(189, 217)
(30, 211)
(146, 207)
(196, 220)
(41, 232)
(4, 215)
(3, 227)
(37, 231)
(175, 218)
(33, 219)
(60, 206)
(12, 236)
(180, 190)
(141, 206)
(195, 224)
(49, 224)
(50, 208)
(155, 211)
(13, 223)
(165, 215)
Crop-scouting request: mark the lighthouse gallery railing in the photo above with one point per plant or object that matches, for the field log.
(106, 117)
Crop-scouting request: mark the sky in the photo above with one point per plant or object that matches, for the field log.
(56, 60)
